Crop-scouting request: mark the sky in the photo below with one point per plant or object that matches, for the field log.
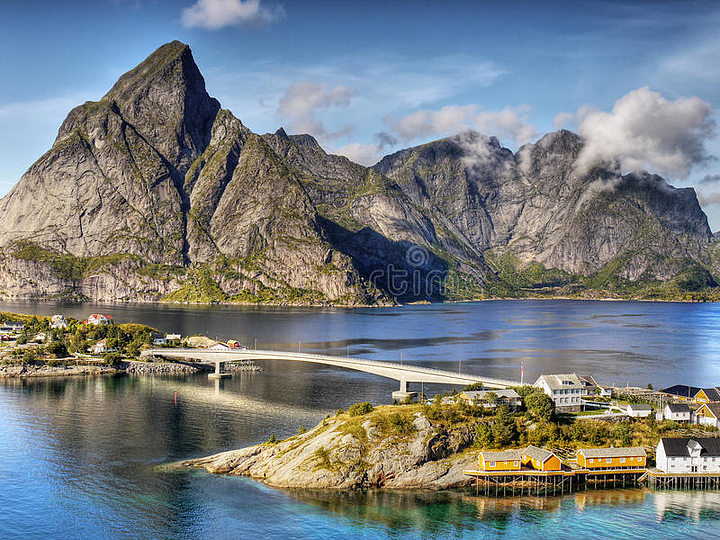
(638, 80)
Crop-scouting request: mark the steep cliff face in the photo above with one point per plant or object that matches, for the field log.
(155, 192)
(535, 208)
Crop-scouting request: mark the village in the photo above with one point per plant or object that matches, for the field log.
(58, 345)
(692, 460)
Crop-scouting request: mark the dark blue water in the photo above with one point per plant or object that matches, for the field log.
(78, 455)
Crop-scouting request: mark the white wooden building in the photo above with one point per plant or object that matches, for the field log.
(688, 455)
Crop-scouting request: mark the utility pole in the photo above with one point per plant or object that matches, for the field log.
(401, 358)
(256, 344)
(298, 345)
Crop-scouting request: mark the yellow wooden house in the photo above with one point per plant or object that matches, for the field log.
(612, 458)
(540, 459)
(707, 395)
(709, 414)
(508, 460)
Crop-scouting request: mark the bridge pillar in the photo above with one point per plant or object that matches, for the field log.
(403, 395)
(219, 371)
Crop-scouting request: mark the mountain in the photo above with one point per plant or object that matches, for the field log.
(157, 193)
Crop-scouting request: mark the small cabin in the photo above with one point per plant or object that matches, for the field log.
(508, 460)
(638, 410)
(612, 458)
(677, 412)
(540, 459)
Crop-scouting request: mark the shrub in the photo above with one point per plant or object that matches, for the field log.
(401, 424)
(360, 409)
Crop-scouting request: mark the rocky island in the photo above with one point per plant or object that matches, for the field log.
(426, 446)
(156, 193)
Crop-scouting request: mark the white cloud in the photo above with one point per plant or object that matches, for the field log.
(302, 101)
(508, 122)
(711, 199)
(214, 14)
(563, 119)
(364, 154)
(646, 131)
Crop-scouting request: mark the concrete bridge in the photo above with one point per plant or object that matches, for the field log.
(400, 372)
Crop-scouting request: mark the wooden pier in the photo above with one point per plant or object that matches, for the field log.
(532, 482)
(658, 479)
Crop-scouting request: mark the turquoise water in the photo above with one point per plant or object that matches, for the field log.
(78, 455)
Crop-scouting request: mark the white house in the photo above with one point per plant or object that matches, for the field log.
(480, 397)
(59, 322)
(566, 390)
(218, 346)
(685, 455)
(638, 410)
(171, 337)
(160, 341)
(677, 412)
(99, 318)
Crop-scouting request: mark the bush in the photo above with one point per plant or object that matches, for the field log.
(360, 409)
(401, 424)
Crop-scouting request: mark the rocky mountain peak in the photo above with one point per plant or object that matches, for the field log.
(165, 99)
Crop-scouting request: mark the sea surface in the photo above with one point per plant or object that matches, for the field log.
(78, 456)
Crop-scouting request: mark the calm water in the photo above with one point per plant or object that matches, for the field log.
(78, 454)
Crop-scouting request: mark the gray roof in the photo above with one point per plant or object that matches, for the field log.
(678, 446)
(537, 453)
(639, 406)
(507, 455)
(482, 394)
(555, 382)
(635, 451)
(678, 408)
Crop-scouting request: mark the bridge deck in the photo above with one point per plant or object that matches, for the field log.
(391, 370)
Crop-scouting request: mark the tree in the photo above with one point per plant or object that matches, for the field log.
(503, 429)
(483, 435)
(540, 405)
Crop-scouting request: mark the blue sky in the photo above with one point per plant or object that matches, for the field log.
(367, 78)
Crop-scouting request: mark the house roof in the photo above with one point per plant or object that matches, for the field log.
(639, 407)
(481, 394)
(713, 394)
(507, 455)
(540, 454)
(588, 380)
(677, 408)
(682, 390)
(560, 381)
(635, 451)
(714, 408)
(678, 446)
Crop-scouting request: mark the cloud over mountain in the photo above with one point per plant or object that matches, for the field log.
(645, 130)
(509, 122)
(301, 102)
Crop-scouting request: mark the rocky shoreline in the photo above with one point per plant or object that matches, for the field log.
(23, 371)
(390, 450)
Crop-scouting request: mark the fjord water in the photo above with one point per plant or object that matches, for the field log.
(79, 455)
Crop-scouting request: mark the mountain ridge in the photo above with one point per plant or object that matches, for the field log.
(157, 193)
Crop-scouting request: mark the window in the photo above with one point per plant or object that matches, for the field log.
(492, 463)
(592, 460)
(515, 463)
(608, 460)
(622, 460)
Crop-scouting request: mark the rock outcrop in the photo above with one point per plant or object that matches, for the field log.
(343, 453)
(157, 193)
